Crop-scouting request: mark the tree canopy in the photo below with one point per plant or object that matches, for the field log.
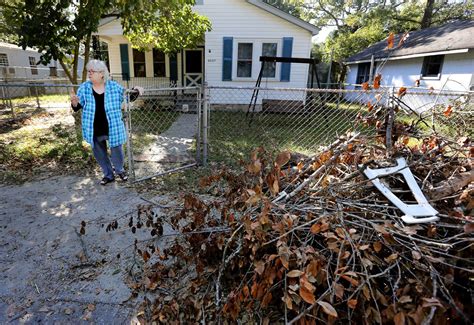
(62, 29)
(361, 23)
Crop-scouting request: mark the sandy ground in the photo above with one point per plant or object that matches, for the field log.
(48, 272)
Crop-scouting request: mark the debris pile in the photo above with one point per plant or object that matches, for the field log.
(314, 241)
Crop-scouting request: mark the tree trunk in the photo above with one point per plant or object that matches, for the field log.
(77, 115)
(87, 45)
(427, 14)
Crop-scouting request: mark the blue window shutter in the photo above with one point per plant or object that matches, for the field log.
(227, 61)
(174, 67)
(125, 62)
(286, 53)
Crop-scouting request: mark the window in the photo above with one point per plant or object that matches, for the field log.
(139, 67)
(432, 66)
(199, 2)
(269, 68)
(100, 50)
(32, 60)
(53, 71)
(159, 63)
(244, 60)
(363, 72)
(3, 60)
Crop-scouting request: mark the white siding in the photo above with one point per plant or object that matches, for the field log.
(230, 18)
(241, 20)
(458, 68)
(456, 75)
(19, 64)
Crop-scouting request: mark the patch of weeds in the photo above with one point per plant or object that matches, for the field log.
(185, 180)
(55, 149)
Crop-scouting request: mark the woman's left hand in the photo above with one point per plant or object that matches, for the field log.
(141, 90)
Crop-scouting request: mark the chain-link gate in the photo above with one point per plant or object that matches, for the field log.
(164, 131)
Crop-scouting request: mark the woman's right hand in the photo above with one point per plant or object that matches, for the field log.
(74, 98)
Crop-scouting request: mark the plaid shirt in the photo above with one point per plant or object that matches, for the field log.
(113, 109)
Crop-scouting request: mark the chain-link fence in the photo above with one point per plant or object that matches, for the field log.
(165, 128)
(301, 120)
(17, 99)
(422, 112)
(164, 131)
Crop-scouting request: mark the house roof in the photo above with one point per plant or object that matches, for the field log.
(258, 3)
(279, 13)
(455, 37)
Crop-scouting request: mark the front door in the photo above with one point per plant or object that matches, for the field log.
(193, 68)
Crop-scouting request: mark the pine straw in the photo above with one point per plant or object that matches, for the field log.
(330, 250)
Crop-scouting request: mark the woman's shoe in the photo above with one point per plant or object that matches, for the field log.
(106, 181)
(123, 176)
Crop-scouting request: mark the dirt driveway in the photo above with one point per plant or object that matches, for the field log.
(51, 274)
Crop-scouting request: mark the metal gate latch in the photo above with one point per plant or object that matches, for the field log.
(412, 211)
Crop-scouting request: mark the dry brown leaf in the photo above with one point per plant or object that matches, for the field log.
(447, 112)
(282, 158)
(267, 299)
(469, 228)
(255, 167)
(402, 92)
(288, 302)
(391, 258)
(352, 303)
(370, 106)
(403, 39)
(328, 308)
(307, 295)
(377, 79)
(429, 302)
(404, 299)
(316, 228)
(390, 40)
(399, 319)
(259, 267)
(352, 281)
(294, 274)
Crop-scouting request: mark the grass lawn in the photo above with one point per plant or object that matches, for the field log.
(41, 141)
(232, 135)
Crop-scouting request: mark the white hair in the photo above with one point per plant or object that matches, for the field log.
(98, 65)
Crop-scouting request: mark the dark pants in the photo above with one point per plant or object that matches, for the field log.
(116, 158)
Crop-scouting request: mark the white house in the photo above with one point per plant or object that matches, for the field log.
(242, 31)
(438, 57)
(21, 65)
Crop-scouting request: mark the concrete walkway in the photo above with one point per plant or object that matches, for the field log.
(171, 148)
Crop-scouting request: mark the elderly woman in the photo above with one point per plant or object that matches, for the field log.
(101, 100)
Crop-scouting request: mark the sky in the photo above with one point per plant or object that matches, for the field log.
(321, 37)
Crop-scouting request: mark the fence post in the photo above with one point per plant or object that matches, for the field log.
(128, 129)
(390, 121)
(8, 100)
(35, 87)
(205, 124)
(198, 140)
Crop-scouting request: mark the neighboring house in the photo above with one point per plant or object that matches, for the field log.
(20, 65)
(242, 31)
(439, 57)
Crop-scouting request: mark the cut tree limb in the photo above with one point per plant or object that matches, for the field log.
(451, 185)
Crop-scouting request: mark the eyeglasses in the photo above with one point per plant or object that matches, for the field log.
(93, 71)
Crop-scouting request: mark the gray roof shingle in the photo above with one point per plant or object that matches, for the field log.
(452, 36)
